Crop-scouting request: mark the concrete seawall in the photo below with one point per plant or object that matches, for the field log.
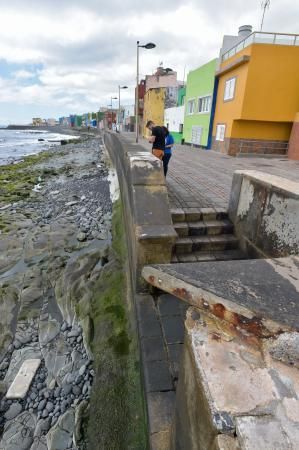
(149, 229)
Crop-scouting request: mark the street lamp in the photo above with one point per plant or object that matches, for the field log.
(148, 46)
(119, 88)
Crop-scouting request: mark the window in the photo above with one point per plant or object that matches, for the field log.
(191, 106)
(229, 90)
(204, 104)
(220, 132)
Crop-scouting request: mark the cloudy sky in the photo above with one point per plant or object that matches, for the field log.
(68, 56)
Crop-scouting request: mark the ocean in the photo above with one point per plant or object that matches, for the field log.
(15, 144)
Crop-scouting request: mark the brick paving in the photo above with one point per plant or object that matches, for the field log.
(202, 178)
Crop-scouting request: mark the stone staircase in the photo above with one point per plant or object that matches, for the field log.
(204, 234)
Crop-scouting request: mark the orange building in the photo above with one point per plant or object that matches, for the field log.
(258, 95)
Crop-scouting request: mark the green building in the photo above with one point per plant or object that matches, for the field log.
(200, 90)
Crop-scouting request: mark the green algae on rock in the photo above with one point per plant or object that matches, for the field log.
(18, 180)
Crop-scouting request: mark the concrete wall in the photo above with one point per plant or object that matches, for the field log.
(233, 394)
(149, 228)
(265, 211)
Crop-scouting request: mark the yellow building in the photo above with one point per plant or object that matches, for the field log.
(258, 95)
(154, 101)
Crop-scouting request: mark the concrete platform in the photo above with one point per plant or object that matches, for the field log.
(256, 296)
(23, 379)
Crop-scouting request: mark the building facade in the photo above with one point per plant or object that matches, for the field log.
(199, 98)
(174, 117)
(258, 95)
(161, 92)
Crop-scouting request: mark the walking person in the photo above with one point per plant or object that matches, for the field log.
(169, 143)
(157, 139)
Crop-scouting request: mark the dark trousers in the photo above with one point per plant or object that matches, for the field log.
(165, 160)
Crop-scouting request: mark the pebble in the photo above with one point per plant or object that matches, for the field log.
(42, 404)
(45, 413)
(67, 389)
(49, 406)
(82, 370)
(33, 395)
(63, 326)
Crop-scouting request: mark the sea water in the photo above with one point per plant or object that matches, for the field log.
(15, 144)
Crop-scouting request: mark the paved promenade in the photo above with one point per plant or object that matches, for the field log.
(202, 178)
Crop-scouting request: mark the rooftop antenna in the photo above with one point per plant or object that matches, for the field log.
(265, 5)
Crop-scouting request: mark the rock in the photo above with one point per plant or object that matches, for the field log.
(82, 369)
(57, 392)
(76, 356)
(39, 386)
(76, 390)
(85, 389)
(78, 379)
(75, 332)
(13, 411)
(3, 389)
(33, 395)
(81, 236)
(79, 416)
(42, 427)
(15, 435)
(49, 406)
(48, 331)
(4, 365)
(17, 345)
(64, 326)
(48, 214)
(39, 443)
(31, 351)
(67, 389)
(71, 203)
(60, 435)
(45, 413)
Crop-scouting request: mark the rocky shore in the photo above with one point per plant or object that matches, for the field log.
(54, 242)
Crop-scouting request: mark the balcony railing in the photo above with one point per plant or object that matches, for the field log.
(260, 37)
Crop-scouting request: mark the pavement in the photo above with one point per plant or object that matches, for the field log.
(199, 178)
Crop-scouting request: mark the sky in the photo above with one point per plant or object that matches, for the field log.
(59, 57)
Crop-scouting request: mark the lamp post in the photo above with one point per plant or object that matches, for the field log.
(119, 88)
(148, 46)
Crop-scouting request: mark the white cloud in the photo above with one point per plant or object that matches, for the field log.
(85, 49)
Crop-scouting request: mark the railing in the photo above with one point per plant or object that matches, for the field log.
(256, 147)
(260, 37)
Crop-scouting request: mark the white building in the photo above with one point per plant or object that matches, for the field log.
(174, 119)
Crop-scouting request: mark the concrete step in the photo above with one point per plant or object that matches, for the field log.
(210, 227)
(226, 255)
(207, 227)
(205, 243)
(197, 214)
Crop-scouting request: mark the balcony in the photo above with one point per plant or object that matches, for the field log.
(259, 37)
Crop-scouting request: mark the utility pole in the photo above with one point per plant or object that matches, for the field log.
(265, 5)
